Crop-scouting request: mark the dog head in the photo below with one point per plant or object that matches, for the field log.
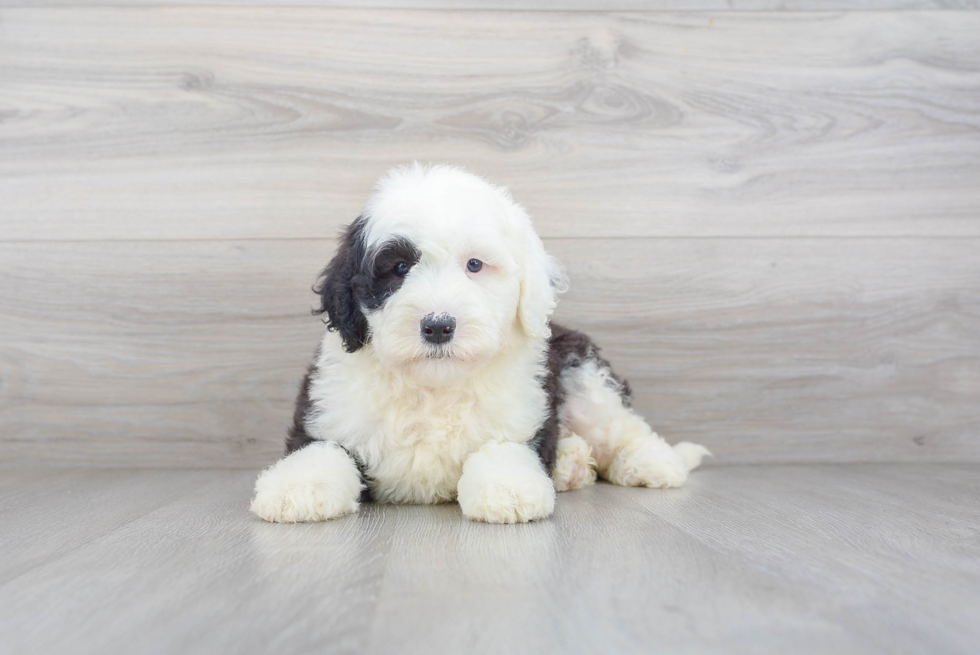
(441, 273)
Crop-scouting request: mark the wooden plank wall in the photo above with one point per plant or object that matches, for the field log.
(771, 219)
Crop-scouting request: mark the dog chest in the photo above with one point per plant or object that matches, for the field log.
(415, 440)
(423, 441)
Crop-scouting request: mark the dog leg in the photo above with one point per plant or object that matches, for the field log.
(505, 483)
(627, 452)
(316, 483)
(574, 466)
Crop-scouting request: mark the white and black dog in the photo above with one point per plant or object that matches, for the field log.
(441, 376)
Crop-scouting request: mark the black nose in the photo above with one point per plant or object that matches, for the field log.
(438, 329)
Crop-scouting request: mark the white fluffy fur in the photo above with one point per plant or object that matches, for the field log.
(626, 451)
(413, 418)
(574, 465)
(439, 425)
(316, 483)
(505, 483)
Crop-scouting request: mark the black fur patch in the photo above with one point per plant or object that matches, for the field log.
(297, 437)
(378, 281)
(336, 290)
(566, 349)
(356, 278)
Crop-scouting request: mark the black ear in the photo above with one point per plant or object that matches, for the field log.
(336, 289)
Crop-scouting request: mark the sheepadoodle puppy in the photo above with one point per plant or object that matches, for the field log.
(441, 377)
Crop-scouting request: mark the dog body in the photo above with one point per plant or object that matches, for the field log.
(441, 376)
(412, 441)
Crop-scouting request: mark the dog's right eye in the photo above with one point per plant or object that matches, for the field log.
(400, 269)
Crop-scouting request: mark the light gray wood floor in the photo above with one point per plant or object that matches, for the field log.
(543, 5)
(746, 559)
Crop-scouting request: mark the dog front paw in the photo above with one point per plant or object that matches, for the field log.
(316, 483)
(504, 483)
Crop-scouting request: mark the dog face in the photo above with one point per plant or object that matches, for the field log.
(442, 272)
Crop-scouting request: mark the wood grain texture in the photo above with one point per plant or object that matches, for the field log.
(799, 282)
(194, 573)
(803, 559)
(543, 5)
(194, 122)
(82, 506)
(766, 350)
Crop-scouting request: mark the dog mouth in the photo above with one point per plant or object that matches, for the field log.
(438, 352)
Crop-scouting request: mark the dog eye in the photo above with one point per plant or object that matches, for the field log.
(400, 269)
(474, 265)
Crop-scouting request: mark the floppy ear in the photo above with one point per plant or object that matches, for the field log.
(336, 289)
(541, 282)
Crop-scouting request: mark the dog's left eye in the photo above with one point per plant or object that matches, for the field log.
(400, 269)
(474, 265)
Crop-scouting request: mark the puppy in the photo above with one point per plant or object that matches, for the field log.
(441, 377)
